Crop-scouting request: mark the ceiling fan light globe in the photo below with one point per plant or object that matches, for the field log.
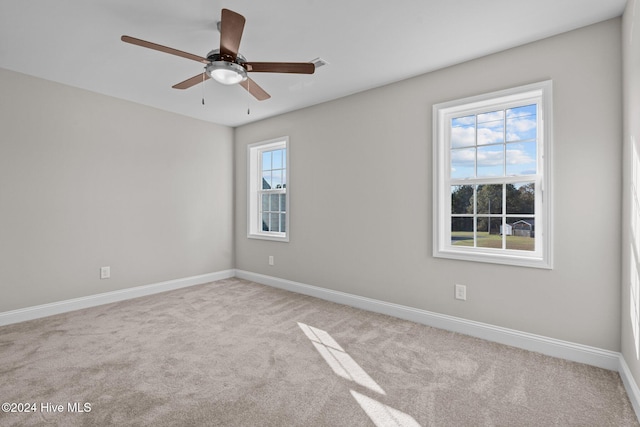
(227, 73)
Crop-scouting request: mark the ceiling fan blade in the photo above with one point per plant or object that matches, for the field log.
(280, 67)
(192, 81)
(254, 89)
(231, 28)
(164, 49)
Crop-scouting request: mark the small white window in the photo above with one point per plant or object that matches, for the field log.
(268, 216)
(492, 177)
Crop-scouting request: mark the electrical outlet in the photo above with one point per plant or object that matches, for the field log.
(461, 292)
(105, 272)
(271, 260)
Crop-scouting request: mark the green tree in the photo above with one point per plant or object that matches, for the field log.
(489, 202)
(489, 199)
(527, 198)
(461, 197)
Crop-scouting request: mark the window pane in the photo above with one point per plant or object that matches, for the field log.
(491, 127)
(276, 159)
(521, 198)
(521, 234)
(274, 202)
(284, 178)
(463, 132)
(265, 202)
(489, 199)
(462, 231)
(265, 222)
(266, 160)
(524, 111)
(283, 222)
(522, 123)
(283, 202)
(276, 179)
(492, 116)
(463, 163)
(521, 158)
(461, 199)
(490, 161)
(274, 225)
(489, 233)
(266, 180)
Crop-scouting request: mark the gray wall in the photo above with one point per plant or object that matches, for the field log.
(89, 181)
(362, 185)
(631, 189)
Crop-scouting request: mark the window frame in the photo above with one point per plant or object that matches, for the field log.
(254, 190)
(443, 113)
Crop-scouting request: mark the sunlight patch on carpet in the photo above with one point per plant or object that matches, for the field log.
(383, 415)
(344, 366)
(339, 360)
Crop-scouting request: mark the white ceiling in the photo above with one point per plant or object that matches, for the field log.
(367, 43)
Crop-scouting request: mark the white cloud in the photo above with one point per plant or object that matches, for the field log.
(518, 157)
(492, 116)
(522, 125)
(515, 156)
(462, 136)
(490, 158)
(517, 129)
(528, 110)
(468, 157)
(464, 121)
(489, 136)
(463, 157)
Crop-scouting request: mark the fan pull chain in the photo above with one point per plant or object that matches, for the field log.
(202, 88)
(249, 98)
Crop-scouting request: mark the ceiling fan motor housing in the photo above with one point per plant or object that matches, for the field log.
(225, 71)
(215, 55)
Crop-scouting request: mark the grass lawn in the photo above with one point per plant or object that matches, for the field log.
(486, 240)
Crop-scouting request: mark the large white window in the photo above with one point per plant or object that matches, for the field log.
(268, 216)
(492, 177)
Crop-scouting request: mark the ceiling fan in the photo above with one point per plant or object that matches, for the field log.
(226, 65)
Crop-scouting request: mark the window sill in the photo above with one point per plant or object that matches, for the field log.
(276, 237)
(504, 259)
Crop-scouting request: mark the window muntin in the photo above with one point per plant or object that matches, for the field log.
(491, 177)
(268, 213)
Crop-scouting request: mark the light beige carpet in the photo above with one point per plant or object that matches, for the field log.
(235, 353)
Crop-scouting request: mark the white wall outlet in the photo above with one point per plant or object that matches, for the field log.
(271, 262)
(105, 272)
(461, 292)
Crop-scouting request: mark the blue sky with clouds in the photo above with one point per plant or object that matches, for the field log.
(499, 140)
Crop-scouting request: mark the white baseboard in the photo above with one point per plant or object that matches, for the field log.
(550, 346)
(630, 385)
(50, 309)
